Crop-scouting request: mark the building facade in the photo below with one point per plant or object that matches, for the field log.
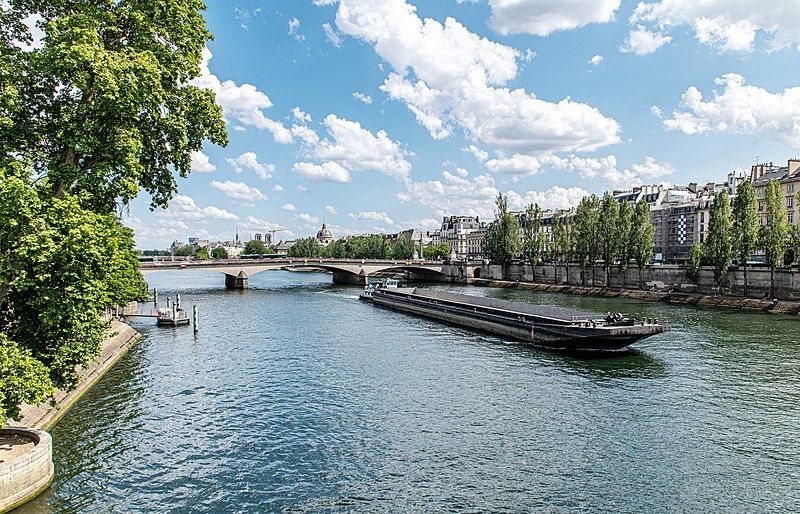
(464, 235)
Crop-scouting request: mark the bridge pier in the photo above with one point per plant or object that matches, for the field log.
(236, 281)
(350, 279)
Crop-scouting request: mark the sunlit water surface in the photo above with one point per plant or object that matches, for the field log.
(295, 396)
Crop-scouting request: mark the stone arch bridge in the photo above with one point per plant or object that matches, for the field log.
(345, 271)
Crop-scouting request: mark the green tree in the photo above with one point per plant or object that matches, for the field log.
(794, 243)
(694, 262)
(719, 244)
(440, 251)
(587, 230)
(61, 266)
(307, 247)
(642, 234)
(23, 379)
(403, 248)
(532, 237)
(625, 233)
(255, 247)
(337, 250)
(772, 235)
(562, 239)
(745, 225)
(107, 105)
(202, 254)
(219, 253)
(609, 233)
(502, 242)
(185, 251)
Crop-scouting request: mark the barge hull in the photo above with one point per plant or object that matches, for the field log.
(552, 334)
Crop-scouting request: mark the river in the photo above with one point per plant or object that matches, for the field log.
(295, 396)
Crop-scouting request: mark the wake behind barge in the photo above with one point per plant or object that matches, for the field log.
(546, 327)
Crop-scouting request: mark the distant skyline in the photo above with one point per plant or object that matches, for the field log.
(381, 115)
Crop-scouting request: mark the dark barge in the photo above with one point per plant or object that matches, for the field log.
(546, 327)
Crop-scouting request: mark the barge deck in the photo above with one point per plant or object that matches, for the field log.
(546, 327)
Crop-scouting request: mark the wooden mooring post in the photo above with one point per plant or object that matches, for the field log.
(155, 297)
(195, 318)
(178, 300)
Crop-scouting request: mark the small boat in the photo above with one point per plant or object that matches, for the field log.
(547, 327)
(171, 317)
(388, 283)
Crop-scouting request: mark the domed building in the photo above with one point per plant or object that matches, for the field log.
(324, 236)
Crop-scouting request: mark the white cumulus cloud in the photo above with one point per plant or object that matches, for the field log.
(288, 207)
(238, 190)
(249, 160)
(740, 109)
(325, 172)
(543, 17)
(243, 104)
(201, 163)
(642, 41)
(372, 215)
(727, 25)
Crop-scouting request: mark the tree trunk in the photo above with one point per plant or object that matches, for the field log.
(624, 278)
(583, 276)
(745, 279)
(641, 280)
(772, 281)
(594, 274)
(555, 272)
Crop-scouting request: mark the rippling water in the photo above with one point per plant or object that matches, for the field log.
(295, 396)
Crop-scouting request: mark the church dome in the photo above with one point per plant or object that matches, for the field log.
(324, 233)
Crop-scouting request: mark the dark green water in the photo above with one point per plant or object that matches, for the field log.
(295, 396)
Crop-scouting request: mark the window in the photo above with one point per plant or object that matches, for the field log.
(790, 202)
(791, 218)
(760, 205)
(790, 188)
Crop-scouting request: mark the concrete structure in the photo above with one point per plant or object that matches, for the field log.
(345, 271)
(44, 416)
(661, 277)
(24, 477)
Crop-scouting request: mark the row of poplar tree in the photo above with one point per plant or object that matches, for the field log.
(600, 230)
(616, 233)
(102, 108)
(737, 230)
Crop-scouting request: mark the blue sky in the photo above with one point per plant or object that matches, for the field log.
(461, 98)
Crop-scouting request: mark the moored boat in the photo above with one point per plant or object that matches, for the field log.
(547, 327)
(171, 317)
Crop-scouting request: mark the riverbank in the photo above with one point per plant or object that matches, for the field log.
(43, 416)
(779, 307)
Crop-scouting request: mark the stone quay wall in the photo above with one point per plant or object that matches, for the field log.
(24, 478)
(664, 278)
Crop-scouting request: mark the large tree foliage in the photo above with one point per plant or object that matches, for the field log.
(719, 245)
(307, 247)
(219, 253)
(625, 234)
(440, 251)
(587, 234)
(532, 237)
(772, 235)
(503, 243)
(60, 267)
(102, 108)
(610, 235)
(562, 239)
(694, 262)
(106, 106)
(745, 225)
(641, 240)
(255, 247)
(22, 379)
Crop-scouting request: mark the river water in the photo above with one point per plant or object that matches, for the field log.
(295, 396)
